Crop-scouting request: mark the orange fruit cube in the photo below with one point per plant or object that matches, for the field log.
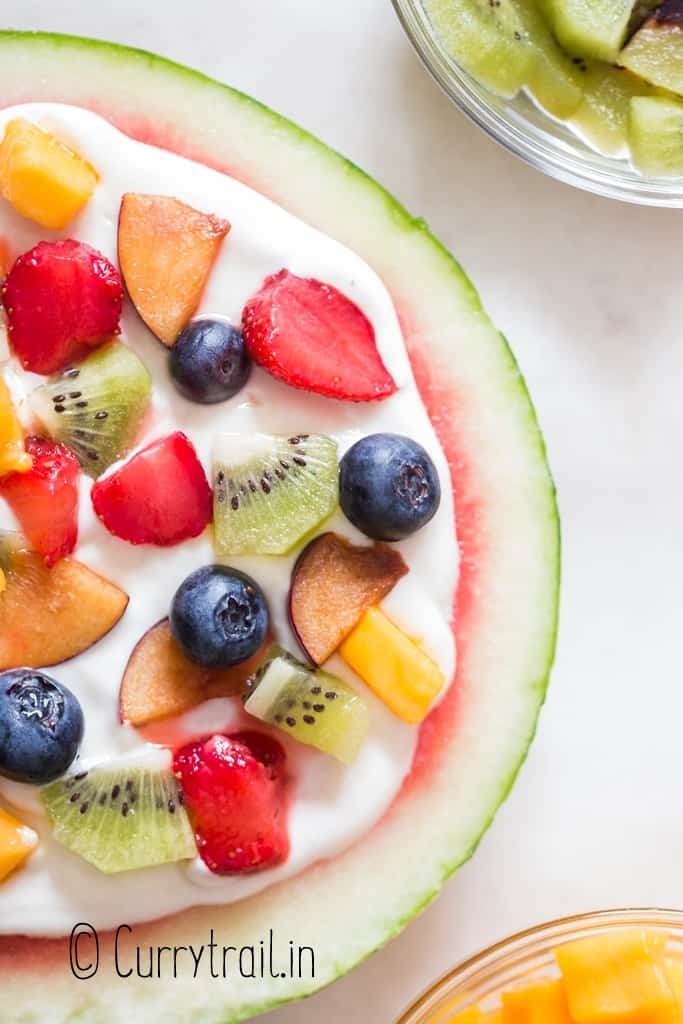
(13, 457)
(17, 842)
(542, 1003)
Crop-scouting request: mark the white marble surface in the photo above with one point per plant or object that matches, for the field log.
(588, 291)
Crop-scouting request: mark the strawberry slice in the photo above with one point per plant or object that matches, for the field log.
(62, 299)
(235, 791)
(45, 499)
(160, 496)
(309, 335)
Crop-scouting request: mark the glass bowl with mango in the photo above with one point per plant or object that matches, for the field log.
(589, 91)
(610, 967)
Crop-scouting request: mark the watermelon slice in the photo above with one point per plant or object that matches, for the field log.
(505, 608)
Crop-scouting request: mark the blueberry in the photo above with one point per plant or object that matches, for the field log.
(219, 616)
(209, 361)
(388, 486)
(41, 726)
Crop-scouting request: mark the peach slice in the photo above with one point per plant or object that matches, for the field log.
(160, 681)
(334, 582)
(50, 615)
(166, 253)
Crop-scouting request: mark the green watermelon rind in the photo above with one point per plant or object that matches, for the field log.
(33, 67)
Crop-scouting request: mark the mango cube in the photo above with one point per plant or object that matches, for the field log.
(472, 1015)
(13, 457)
(17, 842)
(41, 177)
(542, 1003)
(674, 975)
(393, 665)
(617, 978)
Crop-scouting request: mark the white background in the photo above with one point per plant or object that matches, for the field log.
(590, 294)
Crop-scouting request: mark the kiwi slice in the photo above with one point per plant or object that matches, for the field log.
(314, 707)
(270, 492)
(96, 408)
(120, 816)
(656, 136)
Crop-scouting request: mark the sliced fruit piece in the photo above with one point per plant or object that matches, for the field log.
(590, 28)
(656, 136)
(656, 51)
(234, 788)
(487, 40)
(472, 1015)
(166, 252)
(602, 119)
(393, 665)
(45, 499)
(50, 615)
(13, 456)
(333, 583)
(61, 298)
(41, 177)
(542, 1003)
(270, 492)
(311, 336)
(673, 968)
(616, 978)
(122, 815)
(160, 681)
(314, 707)
(17, 843)
(97, 407)
(555, 80)
(160, 496)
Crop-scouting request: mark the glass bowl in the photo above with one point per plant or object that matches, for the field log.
(528, 957)
(524, 129)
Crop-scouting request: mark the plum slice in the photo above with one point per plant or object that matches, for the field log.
(334, 582)
(167, 250)
(51, 615)
(160, 681)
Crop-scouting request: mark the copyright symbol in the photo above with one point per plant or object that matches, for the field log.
(83, 956)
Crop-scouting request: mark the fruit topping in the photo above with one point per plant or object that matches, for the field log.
(393, 665)
(41, 726)
(270, 491)
(97, 407)
(656, 136)
(590, 28)
(219, 616)
(45, 499)
(122, 815)
(41, 177)
(50, 615)
(166, 252)
(61, 298)
(13, 456)
(656, 51)
(333, 583)
(542, 1003)
(160, 496)
(311, 336)
(17, 843)
(388, 486)
(314, 707)
(160, 680)
(235, 791)
(209, 361)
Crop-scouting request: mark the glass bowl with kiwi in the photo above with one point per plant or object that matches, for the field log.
(589, 91)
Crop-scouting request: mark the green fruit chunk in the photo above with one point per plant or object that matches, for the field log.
(97, 407)
(314, 707)
(487, 39)
(121, 816)
(602, 118)
(555, 79)
(590, 28)
(656, 52)
(656, 136)
(270, 492)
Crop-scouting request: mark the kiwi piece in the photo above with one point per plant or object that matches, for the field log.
(488, 39)
(656, 51)
(121, 815)
(555, 81)
(314, 707)
(97, 407)
(270, 492)
(603, 116)
(656, 136)
(590, 28)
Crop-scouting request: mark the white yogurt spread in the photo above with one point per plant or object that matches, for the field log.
(332, 805)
